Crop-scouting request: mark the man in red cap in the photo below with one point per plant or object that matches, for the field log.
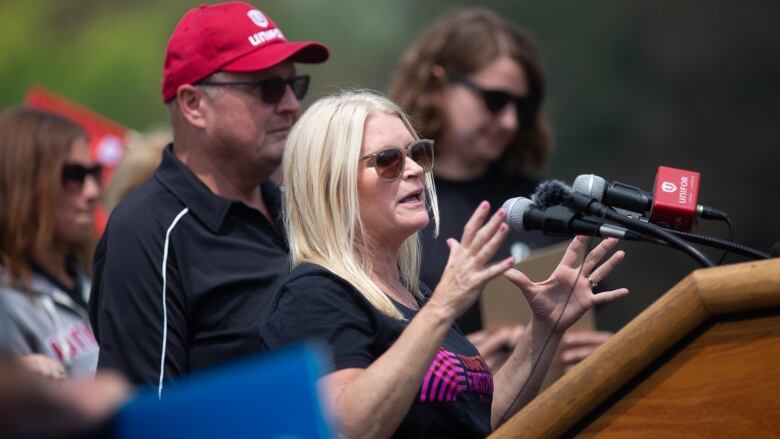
(190, 260)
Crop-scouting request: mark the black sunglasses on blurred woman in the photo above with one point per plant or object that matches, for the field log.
(75, 174)
(496, 100)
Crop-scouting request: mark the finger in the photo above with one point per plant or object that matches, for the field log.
(494, 270)
(59, 373)
(489, 231)
(598, 253)
(476, 338)
(498, 341)
(575, 355)
(519, 279)
(573, 251)
(489, 249)
(474, 223)
(454, 245)
(603, 270)
(517, 332)
(607, 296)
(583, 338)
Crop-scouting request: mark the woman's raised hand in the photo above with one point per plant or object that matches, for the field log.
(467, 269)
(550, 301)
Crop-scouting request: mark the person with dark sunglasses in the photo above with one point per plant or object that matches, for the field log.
(358, 194)
(190, 259)
(473, 82)
(496, 100)
(75, 174)
(270, 91)
(49, 187)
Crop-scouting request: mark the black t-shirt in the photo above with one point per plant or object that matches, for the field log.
(314, 304)
(457, 202)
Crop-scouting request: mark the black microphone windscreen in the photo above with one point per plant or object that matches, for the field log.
(550, 193)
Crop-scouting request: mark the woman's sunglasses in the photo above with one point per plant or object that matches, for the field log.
(496, 100)
(75, 174)
(272, 89)
(389, 163)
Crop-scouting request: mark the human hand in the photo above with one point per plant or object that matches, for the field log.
(496, 346)
(577, 345)
(563, 298)
(467, 271)
(45, 366)
(92, 400)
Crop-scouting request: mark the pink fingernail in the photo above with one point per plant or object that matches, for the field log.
(484, 205)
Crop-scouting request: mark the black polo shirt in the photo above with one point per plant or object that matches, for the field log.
(184, 274)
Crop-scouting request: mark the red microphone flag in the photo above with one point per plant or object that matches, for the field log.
(675, 198)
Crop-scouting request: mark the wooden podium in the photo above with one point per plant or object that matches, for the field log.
(702, 361)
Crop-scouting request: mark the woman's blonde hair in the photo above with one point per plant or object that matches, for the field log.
(321, 208)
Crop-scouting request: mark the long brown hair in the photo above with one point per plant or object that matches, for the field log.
(463, 42)
(33, 147)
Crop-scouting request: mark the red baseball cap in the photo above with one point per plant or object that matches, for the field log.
(231, 37)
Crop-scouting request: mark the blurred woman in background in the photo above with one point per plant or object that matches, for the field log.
(473, 82)
(48, 189)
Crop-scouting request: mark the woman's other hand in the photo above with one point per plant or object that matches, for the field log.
(549, 299)
(495, 346)
(577, 345)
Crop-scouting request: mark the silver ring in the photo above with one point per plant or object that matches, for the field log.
(592, 283)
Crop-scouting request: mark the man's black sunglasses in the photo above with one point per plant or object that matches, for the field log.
(496, 100)
(75, 173)
(272, 89)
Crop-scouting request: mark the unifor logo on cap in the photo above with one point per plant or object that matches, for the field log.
(668, 187)
(258, 18)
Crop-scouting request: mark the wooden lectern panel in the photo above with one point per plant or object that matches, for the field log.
(702, 361)
(725, 383)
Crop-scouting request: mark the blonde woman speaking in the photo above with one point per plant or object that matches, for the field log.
(358, 191)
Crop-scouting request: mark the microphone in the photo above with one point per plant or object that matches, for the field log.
(615, 194)
(674, 204)
(559, 221)
(552, 193)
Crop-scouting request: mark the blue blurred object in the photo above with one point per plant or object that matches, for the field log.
(272, 396)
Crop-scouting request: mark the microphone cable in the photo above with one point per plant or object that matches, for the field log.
(731, 237)
(588, 248)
